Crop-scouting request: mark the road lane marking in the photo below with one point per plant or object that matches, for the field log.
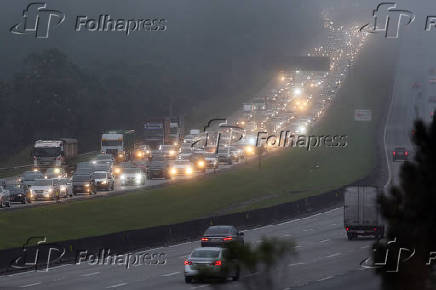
(365, 247)
(295, 264)
(202, 286)
(307, 230)
(117, 285)
(90, 274)
(333, 255)
(324, 241)
(170, 274)
(30, 285)
(325, 278)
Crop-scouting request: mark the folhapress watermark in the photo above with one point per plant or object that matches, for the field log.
(388, 19)
(38, 20)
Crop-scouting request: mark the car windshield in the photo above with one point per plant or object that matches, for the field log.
(218, 231)
(104, 158)
(43, 182)
(99, 175)
(53, 171)
(212, 254)
(81, 178)
(132, 171)
(32, 175)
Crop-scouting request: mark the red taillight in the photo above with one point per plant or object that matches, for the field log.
(375, 229)
(393, 153)
(187, 262)
(204, 239)
(347, 229)
(406, 153)
(217, 263)
(227, 239)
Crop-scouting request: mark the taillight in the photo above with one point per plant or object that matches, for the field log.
(227, 239)
(375, 229)
(187, 262)
(406, 153)
(347, 229)
(217, 263)
(393, 153)
(204, 239)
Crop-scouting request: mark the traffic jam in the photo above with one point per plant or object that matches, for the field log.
(165, 151)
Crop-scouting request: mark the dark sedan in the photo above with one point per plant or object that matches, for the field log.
(18, 193)
(217, 236)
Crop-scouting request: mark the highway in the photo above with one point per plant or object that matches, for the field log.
(325, 260)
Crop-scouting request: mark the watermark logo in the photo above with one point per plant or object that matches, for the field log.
(38, 20)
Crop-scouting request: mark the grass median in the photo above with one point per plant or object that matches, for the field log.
(290, 175)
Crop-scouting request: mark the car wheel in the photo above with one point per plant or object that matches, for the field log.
(188, 280)
(8, 204)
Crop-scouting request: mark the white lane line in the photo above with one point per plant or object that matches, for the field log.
(307, 230)
(30, 285)
(334, 224)
(365, 247)
(324, 241)
(90, 274)
(288, 222)
(333, 255)
(325, 278)
(170, 274)
(117, 285)
(295, 264)
(202, 286)
(286, 235)
(299, 246)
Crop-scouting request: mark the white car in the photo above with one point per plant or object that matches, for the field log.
(181, 168)
(45, 189)
(133, 176)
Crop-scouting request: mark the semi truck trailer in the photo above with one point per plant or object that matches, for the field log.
(54, 153)
(119, 143)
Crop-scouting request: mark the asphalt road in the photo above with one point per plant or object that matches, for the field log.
(324, 256)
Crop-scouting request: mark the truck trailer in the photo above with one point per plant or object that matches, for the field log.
(119, 143)
(163, 131)
(362, 212)
(54, 153)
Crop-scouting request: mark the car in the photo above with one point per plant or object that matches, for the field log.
(218, 236)
(212, 259)
(181, 168)
(211, 160)
(400, 154)
(81, 183)
(29, 177)
(143, 152)
(224, 156)
(168, 151)
(103, 180)
(44, 189)
(158, 169)
(56, 172)
(185, 152)
(133, 176)
(4, 197)
(198, 161)
(236, 154)
(65, 187)
(18, 192)
(103, 158)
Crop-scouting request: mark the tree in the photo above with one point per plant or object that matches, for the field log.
(409, 210)
(266, 264)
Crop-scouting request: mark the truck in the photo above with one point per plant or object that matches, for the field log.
(54, 153)
(163, 131)
(119, 143)
(362, 212)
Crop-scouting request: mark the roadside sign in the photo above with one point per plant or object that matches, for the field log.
(362, 115)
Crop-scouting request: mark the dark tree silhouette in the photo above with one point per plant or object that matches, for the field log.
(409, 210)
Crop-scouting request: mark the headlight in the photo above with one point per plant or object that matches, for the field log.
(200, 163)
(148, 151)
(104, 182)
(123, 177)
(19, 179)
(50, 190)
(63, 188)
(94, 162)
(189, 170)
(46, 177)
(138, 176)
(87, 185)
(173, 170)
(139, 154)
(117, 170)
(35, 170)
(57, 171)
(172, 152)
